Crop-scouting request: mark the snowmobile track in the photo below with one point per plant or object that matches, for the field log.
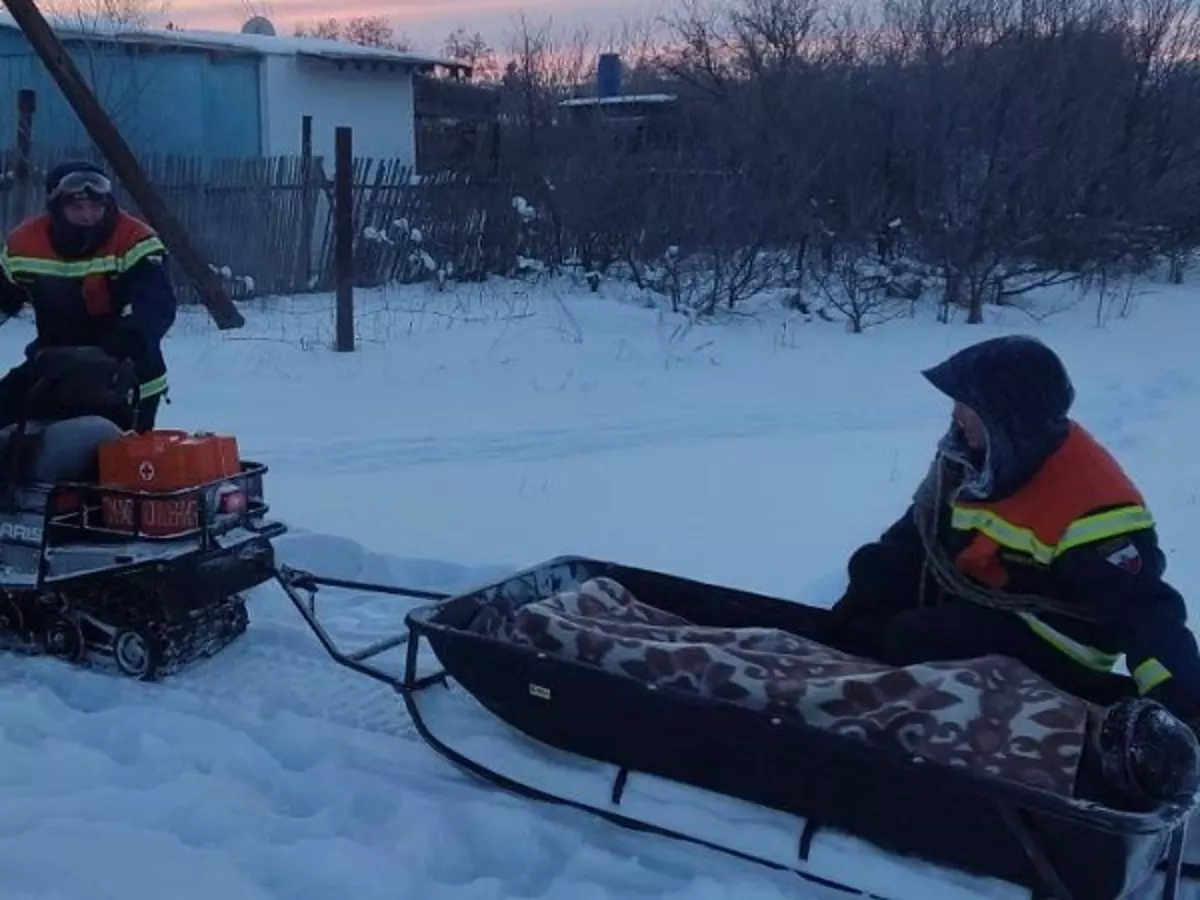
(263, 675)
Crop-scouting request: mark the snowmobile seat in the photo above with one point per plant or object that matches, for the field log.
(47, 454)
(35, 461)
(65, 450)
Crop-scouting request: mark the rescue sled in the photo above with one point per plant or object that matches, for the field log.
(149, 579)
(559, 684)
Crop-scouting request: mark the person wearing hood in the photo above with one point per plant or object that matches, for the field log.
(1026, 539)
(94, 275)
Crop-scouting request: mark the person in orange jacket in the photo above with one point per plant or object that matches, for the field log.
(95, 276)
(1026, 539)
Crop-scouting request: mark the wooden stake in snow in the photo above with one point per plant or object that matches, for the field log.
(125, 165)
(343, 229)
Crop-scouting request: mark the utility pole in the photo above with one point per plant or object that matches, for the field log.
(125, 165)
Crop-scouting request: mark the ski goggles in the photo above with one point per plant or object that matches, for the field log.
(82, 184)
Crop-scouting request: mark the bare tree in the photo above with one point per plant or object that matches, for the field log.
(985, 148)
(368, 31)
(473, 50)
(94, 16)
(640, 43)
(859, 287)
(373, 31)
(540, 73)
(329, 29)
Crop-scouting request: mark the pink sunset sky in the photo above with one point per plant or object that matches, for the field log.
(424, 22)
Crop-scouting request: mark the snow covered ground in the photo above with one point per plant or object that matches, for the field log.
(476, 432)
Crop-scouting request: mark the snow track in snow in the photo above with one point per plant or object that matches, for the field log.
(359, 456)
(810, 417)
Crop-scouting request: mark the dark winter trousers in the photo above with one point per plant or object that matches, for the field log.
(959, 629)
(15, 385)
(146, 414)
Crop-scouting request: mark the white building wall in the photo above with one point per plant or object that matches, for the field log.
(376, 103)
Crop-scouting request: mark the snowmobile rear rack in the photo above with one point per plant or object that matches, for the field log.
(54, 533)
(74, 508)
(297, 583)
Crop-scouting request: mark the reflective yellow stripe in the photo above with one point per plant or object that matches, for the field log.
(1088, 530)
(139, 251)
(153, 386)
(1103, 526)
(28, 265)
(1081, 653)
(80, 268)
(1002, 532)
(1149, 675)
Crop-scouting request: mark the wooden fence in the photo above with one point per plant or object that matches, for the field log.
(266, 225)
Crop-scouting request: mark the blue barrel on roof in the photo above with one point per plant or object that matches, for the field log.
(608, 75)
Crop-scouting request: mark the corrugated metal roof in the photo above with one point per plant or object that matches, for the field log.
(250, 44)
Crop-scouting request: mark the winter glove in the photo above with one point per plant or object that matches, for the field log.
(121, 343)
(848, 608)
(843, 627)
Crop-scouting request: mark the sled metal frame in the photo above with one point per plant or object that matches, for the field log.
(411, 684)
(302, 587)
(1009, 809)
(297, 582)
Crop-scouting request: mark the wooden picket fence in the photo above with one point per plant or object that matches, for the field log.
(267, 226)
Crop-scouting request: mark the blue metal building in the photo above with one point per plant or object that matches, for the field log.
(163, 99)
(218, 96)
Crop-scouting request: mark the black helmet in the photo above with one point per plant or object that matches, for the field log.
(71, 180)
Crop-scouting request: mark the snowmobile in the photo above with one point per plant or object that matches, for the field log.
(667, 705)
(87, 572)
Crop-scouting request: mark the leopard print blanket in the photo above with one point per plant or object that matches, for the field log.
(992, 714)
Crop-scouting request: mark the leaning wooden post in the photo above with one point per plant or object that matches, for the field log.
(304, 244)
(26, 107)
(100, 128)
(343, 225)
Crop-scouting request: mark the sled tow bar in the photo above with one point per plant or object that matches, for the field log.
(296, 582)
(307, 581)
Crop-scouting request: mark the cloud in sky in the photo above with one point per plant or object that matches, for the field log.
(425, 22)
